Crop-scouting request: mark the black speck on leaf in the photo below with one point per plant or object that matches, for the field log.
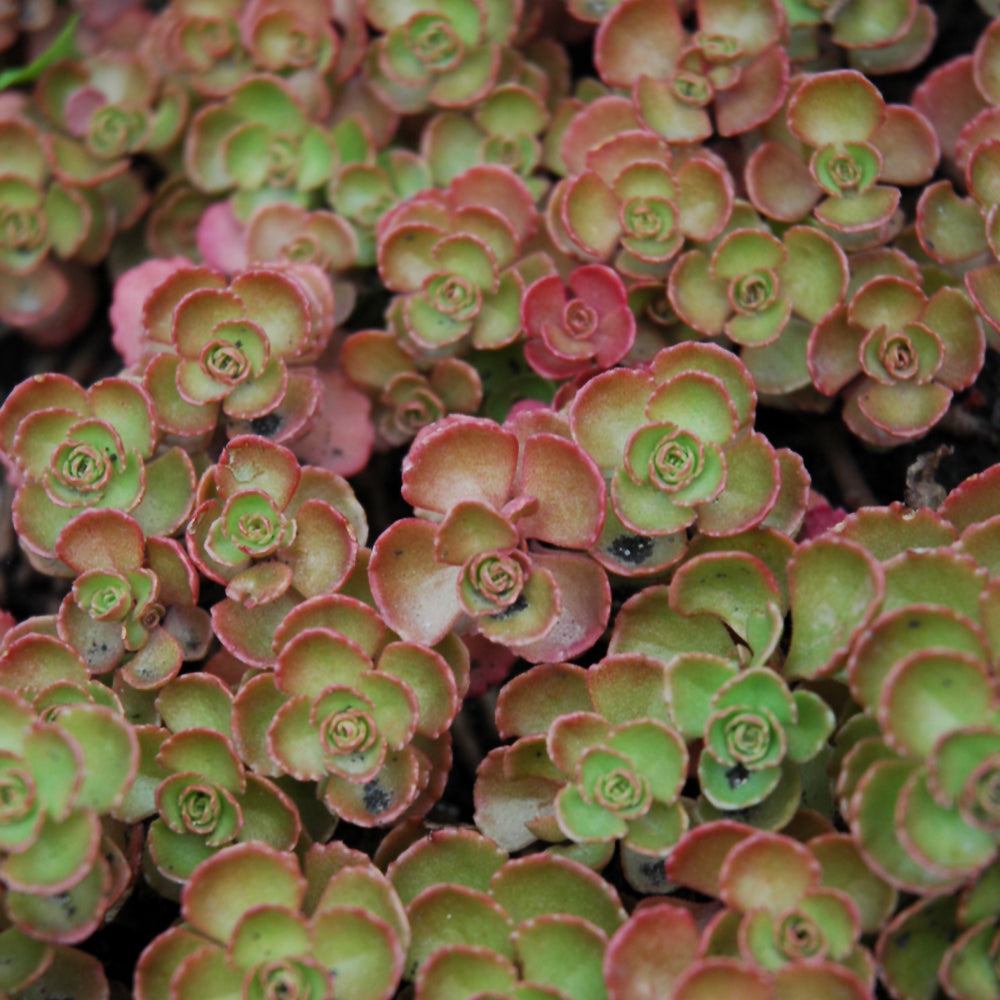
(634, 549)
(519, 605)
(737, 775)
(376, 798)
(266, 425)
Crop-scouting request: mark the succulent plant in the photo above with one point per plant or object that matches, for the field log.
(256, 917)
(765, 294)
(362, 192)
(61, 207)
(134, 601)
(114, 104)
(407, 398)
(469, 561)
(504, 127)
(475, 912)
(675, 441)
(733, 61)
(628, 200)
(365, 717)
(202, 797)
(264, 524)
(435, 54)
(899, 356)
(877, 39)
(74, 449)
(257, 142)
(644, 691)
(577, 328)
(450, 256)
(756, 725)
(240, 350)
(947, 940)
(843, 172)
(67, 763)
(597, 761)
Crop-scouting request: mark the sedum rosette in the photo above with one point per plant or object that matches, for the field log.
(260, 923)
(597, 761)
(843, 170)
(898, 355)
(501, 512)
(437, 54)
(134, 600)
(364, 716)
(475, 912)
(732, 62)
(74, 449)
(202, 797)
(579, 327)
(239, 350)
(675, 440)
(66, 764)
(450, 256)
(629, 199)
(264, 525)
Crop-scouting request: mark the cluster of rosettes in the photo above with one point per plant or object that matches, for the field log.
(571, 298)
(518, 524)
(605, 755)
(785, 919)
(102, 732)
(527, 215)
(67, 762)
(265, 923)
(69, 450)
(918, 765)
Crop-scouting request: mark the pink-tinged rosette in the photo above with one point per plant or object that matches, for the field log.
(628, 198)
(262, 922)
(450, 256)
(675, 441)
(487, 552)
(898, 356)
(72, 449)
(134, 602)
(264, 526)
(584, 325)
(843, 169)
(364, 716)
(240, 350)
(734, 63)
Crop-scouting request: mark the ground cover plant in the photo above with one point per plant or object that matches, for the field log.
(501, 499)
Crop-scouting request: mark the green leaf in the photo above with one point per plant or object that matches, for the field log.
(450, 914)
(912, 947)
(267, 934)
(814, 723)
(64, 47)
(584, 821)
(456, 855)
(110, 754)
(563, 952)
(734, 787)
(21, 957)
(458, 972)
(546, 883)
(70, 915)
(59, 858)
